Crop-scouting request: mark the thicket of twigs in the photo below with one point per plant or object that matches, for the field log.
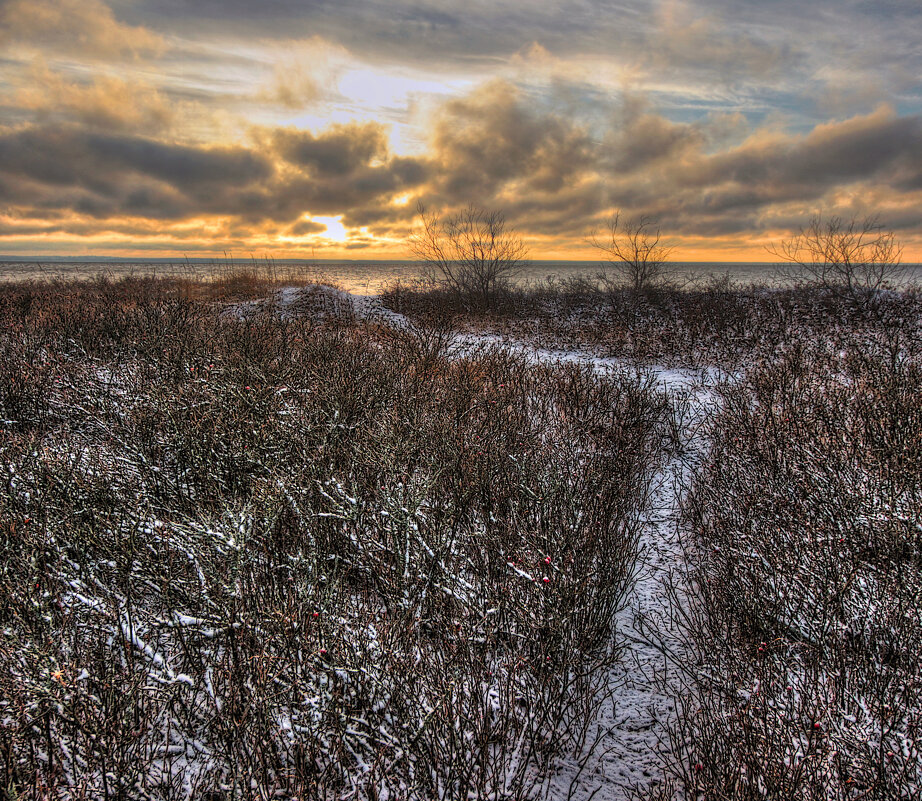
(716, 323)
(255, 556)
(806, 610)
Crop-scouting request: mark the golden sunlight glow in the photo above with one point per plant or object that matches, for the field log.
(126, 131)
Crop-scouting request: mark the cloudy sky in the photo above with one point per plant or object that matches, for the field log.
(314, 127)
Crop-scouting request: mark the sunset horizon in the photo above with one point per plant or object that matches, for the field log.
(168, 129)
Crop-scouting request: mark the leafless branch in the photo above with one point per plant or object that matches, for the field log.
(472, 252)
(854, 255)
(635, 249)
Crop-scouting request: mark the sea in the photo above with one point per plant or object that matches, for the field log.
(370, 277)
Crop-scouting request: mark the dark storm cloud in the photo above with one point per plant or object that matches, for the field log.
(880, 145)
(338, 151)
(553, 174)
(305, 227)
(638, 138)
(103, 175)
(112, 171)
(494, 137)
(771, 180)
(345, 169)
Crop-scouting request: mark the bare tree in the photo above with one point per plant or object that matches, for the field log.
(635, 249)
(855, 256)
(472, 252)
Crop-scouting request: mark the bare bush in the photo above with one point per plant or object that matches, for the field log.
(717, 324)
(856, 256)
(472, 253)
(805, 678)
(635, 251)
(269, 557)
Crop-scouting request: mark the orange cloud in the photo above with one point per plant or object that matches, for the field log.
(555, 175)
(84, 27)
(108, 102)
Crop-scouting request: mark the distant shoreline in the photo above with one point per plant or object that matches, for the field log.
(371, 276)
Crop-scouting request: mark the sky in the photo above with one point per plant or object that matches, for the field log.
(316, 128)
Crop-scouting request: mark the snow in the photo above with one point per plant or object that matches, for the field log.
(626, 742)
(632, 727)
(635, 719)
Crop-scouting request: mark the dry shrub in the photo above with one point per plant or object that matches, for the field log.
(710, 323)
(271, 556)
(807, 587)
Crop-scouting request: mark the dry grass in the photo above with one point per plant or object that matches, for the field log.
(718, 324)
(264, 555)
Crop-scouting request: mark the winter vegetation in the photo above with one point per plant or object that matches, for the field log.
(805, 621)
(853, 256)
(472, 254)
(594, 539)
(247, 554)
(633, 250)
(794, 626)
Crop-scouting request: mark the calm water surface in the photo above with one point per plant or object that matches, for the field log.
(370, 277)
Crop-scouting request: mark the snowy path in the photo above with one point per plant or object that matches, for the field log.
(646, 682)
(634, 720)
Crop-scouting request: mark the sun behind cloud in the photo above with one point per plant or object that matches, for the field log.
(166, 125)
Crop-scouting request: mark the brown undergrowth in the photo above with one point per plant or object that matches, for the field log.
(263, 556)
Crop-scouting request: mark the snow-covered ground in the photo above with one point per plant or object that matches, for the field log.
(635, 719)
(632, 727)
